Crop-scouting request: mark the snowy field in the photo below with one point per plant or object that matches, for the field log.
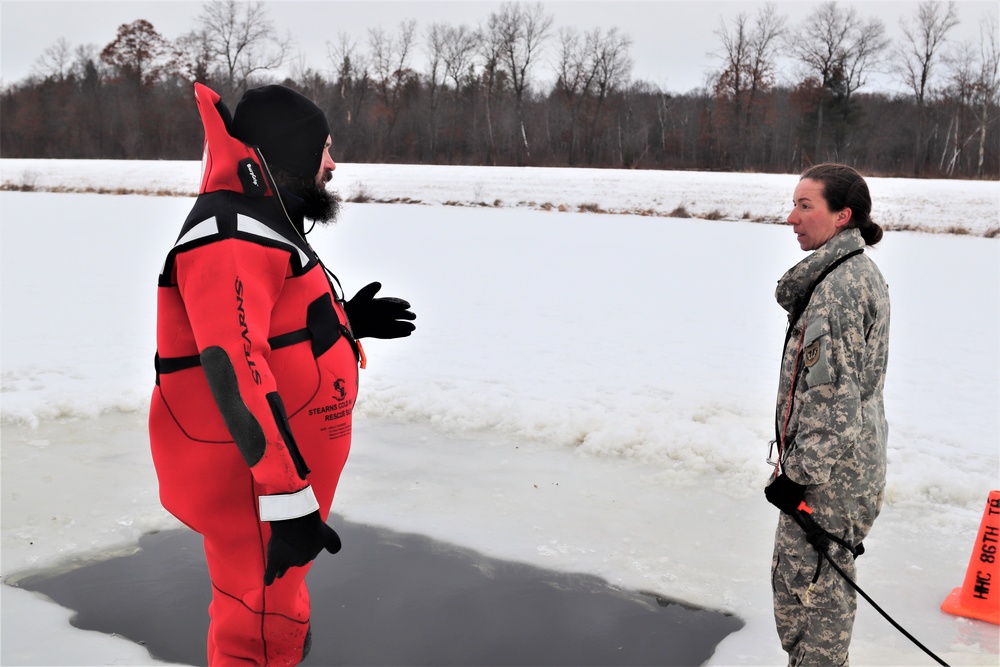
(584, 392)
(899, 203)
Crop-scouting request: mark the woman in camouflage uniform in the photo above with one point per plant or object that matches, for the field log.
(831, 428)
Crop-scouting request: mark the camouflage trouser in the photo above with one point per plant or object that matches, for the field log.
(814, 620)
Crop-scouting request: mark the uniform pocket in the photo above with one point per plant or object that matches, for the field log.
(814, 585)
(817, 360)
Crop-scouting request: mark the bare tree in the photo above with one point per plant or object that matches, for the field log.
(457, 55)
(611, 60)
(864, 54)
(391, 55)
(352, 71)
(972, 96)
(828, 29)
(521, 32)
(574, 81)
(822, 54)
(840, 52)
(391, 66)
(490, 52)
(573, 77)
(243, 40)
(664, 105)
(988, 88)
(974, 87)
(195, 55)
(352, 80)
(55, 61)
(86, 57)
(956, 95)
(748, 56)
(91, 117)
(590, 68)
(436, 37)
(925, 35)
(916, 56)
(612, 67)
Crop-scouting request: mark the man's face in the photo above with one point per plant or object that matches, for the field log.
(320, 204)
(326, 165)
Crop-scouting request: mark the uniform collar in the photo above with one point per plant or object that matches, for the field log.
(796, 282)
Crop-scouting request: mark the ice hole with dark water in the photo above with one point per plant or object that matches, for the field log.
(391, 598)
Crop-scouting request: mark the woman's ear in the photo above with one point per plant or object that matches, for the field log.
(843, 217)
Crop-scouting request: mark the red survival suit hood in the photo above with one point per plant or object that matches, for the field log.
(227, 163)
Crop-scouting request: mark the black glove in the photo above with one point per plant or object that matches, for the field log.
(785, 494)
(379, 318)
(296, 542)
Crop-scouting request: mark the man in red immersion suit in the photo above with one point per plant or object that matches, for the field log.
(257, 370)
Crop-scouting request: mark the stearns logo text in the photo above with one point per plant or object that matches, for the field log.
(245, 332)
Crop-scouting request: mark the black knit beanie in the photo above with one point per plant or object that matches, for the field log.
(288, 127)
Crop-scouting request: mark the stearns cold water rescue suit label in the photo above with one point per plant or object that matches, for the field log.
(335, 414)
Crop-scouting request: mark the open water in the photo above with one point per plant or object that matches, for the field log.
(391, 598)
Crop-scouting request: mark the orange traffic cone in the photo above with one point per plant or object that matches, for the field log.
(979, 596)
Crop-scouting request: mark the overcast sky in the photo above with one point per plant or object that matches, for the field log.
(671, 39)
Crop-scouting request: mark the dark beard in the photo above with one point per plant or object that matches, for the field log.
(319, 204)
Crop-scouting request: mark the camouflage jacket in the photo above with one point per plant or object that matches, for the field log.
(835, 438)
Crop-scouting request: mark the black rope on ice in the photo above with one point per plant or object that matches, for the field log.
(809, 525)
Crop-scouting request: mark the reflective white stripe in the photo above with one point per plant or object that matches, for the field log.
(248, 225)
(201, 230)
(288, 505)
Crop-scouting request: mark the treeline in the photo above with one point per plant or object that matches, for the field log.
(479, 99)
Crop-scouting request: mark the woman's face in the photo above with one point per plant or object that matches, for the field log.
(811, 219)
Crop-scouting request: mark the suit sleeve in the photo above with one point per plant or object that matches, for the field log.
(828, 398)
(229, 288)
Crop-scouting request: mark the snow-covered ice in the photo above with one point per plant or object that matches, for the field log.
(929, 204)
(585, 392)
